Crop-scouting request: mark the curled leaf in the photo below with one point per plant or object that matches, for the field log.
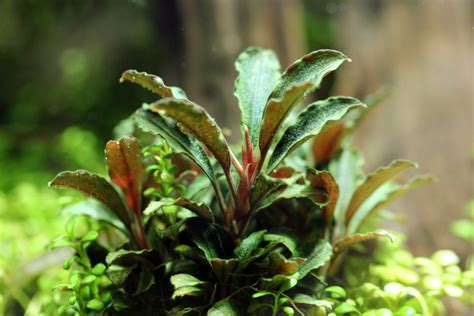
(97, 187)
(309, 123)
(259, 70)
(373, 182)
(302, 76)
(194, 120)
(153, 83)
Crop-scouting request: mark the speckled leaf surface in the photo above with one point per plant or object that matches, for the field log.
(153, 83)
(194, 120)
(156, 124)
(301, 77)
(309, 123)
(258, 70)
(94, 186)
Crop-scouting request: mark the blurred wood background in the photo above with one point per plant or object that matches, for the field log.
(423, 48)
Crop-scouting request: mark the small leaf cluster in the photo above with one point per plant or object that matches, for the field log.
(87, 282)
(197, 226)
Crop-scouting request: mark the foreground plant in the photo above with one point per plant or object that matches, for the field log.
(195, 227)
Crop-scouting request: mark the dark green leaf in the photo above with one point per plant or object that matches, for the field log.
(194, 120)
(287, 241)
(125, 165)
(249, 244)
(153, 83)
(373, 182)
(212, 239)
(224, 268)
(199, 209)
(302, 76)
(309, 123)
(95, 186)
(316, 256)
(259, 70)
(156, 124)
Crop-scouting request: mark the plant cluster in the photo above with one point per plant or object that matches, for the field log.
(191, 225)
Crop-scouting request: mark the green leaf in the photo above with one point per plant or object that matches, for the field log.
(258, 70)
(373, 182)
(248, 245)
(194, 120)
(94, 186)
(302, 76)
(346, 169)
(382, 197)
(288, 241)
(156, 124)
(347, 241)
(89, 279)
(153, 83)
(90, 236)
(99, 269)
(290, 188)
(345, 308)
(199, 209)
(309, 300)
(97, 211)
(183, 279)
(309, 123)
(316, 256)
(95, 304)
(125, 165)
(225, 307)
(187, 291)
(212, 239)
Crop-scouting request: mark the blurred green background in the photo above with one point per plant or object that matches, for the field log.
(60, 98)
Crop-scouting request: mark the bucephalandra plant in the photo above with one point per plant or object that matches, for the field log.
(191, 226)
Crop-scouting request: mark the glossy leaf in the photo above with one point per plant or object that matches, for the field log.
(373, 182)
(199, 209)
(309, 123)
(194, 120)
(97, 187)
(153, 83)
(349, 240)
(316, 256)
(125, 165)
(156, 124)
(384, 196)
(248, 245)
(302, 76)
(258, 70)
(212, 239)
